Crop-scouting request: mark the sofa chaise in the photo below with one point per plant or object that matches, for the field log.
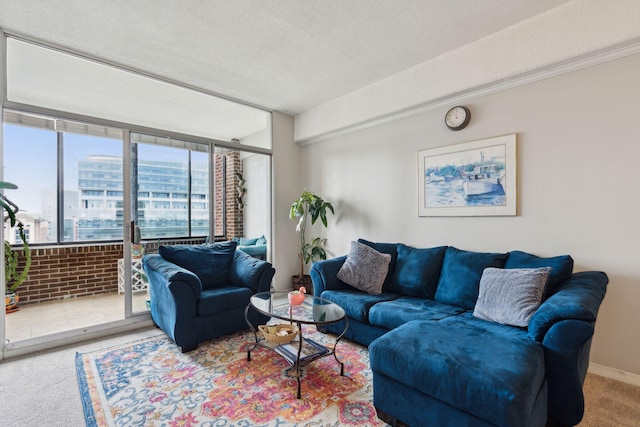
(459, 338)
(200, 292)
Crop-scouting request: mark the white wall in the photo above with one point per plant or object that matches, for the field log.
(256, 200)
(286, 173)
(578, 185)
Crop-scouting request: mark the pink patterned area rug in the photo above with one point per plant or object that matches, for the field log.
(151, 383)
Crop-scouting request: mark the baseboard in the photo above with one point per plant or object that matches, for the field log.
(615, 374)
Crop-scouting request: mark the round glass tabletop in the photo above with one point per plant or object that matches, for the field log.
(314, 310)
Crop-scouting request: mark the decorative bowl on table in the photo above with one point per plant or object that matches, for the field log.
(279, 334)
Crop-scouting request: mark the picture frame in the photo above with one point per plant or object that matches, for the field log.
(475, 178)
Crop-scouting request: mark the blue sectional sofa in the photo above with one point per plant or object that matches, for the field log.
(459, 338)
(200, 292)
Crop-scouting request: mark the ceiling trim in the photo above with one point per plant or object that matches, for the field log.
(577, 63)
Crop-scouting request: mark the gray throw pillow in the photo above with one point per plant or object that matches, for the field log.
(365, 268)
(511, 296)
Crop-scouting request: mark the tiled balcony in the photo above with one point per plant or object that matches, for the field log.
(39, 319)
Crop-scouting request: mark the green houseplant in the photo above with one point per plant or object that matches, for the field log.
(12, 275)
(309, 205)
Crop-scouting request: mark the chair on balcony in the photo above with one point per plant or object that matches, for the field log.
(200, 292)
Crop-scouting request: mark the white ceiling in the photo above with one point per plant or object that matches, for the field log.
(288, 55)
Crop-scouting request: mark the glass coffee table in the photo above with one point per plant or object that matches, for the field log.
(313, 311)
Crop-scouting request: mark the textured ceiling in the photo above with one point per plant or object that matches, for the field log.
(288, 55)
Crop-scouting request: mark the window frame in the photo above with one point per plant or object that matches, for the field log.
(192, 199)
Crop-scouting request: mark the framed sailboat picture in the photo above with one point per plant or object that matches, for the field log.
(472, 179)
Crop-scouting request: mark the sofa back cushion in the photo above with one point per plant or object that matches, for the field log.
(211, 263)
(460, 277)
(385, 248)
(417, 271)
(561, 267)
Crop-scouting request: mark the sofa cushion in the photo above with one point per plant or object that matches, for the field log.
(356, 304)
(417, 271)
(511, 296)
(498, 382)
(461, 273)
(561, 267)
(219, 300)
(391, 314)
(365, 268)
(385, 248)
(244, 241)
(210, 262)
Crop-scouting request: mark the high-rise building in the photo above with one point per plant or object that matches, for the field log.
(165, 191)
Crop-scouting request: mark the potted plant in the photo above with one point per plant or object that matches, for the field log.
(12, 276)
(309, 205)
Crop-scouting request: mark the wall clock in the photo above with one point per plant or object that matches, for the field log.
(457, 118)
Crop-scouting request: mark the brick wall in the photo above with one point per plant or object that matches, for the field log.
(226, 167)
(70, 271)
(235, 219)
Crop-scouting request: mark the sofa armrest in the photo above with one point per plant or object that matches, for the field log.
(173, 292)
(564, 325)
(324, 275)
(250, 272)
(165, 272)
(578, 298)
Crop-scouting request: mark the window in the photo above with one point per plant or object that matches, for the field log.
(172, 172)
(30, 163)
(92, 167)
(18, 238)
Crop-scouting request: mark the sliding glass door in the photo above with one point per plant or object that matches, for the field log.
(70, 197)
(110, 165)
(170, 187)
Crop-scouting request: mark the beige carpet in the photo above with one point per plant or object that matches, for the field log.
(610, 403)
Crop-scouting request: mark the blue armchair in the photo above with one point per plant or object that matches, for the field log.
(200, 292)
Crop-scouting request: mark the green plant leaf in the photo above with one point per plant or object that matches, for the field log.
(8, 185)
(310, 206)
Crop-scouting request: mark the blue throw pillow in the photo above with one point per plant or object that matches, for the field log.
(243, 241)
(417, 271)
(261, 240)
(460, 277)
(211, 263)
(385, 248)
(561, 267)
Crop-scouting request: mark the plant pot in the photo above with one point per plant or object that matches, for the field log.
(11, 302)
(305, 281)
